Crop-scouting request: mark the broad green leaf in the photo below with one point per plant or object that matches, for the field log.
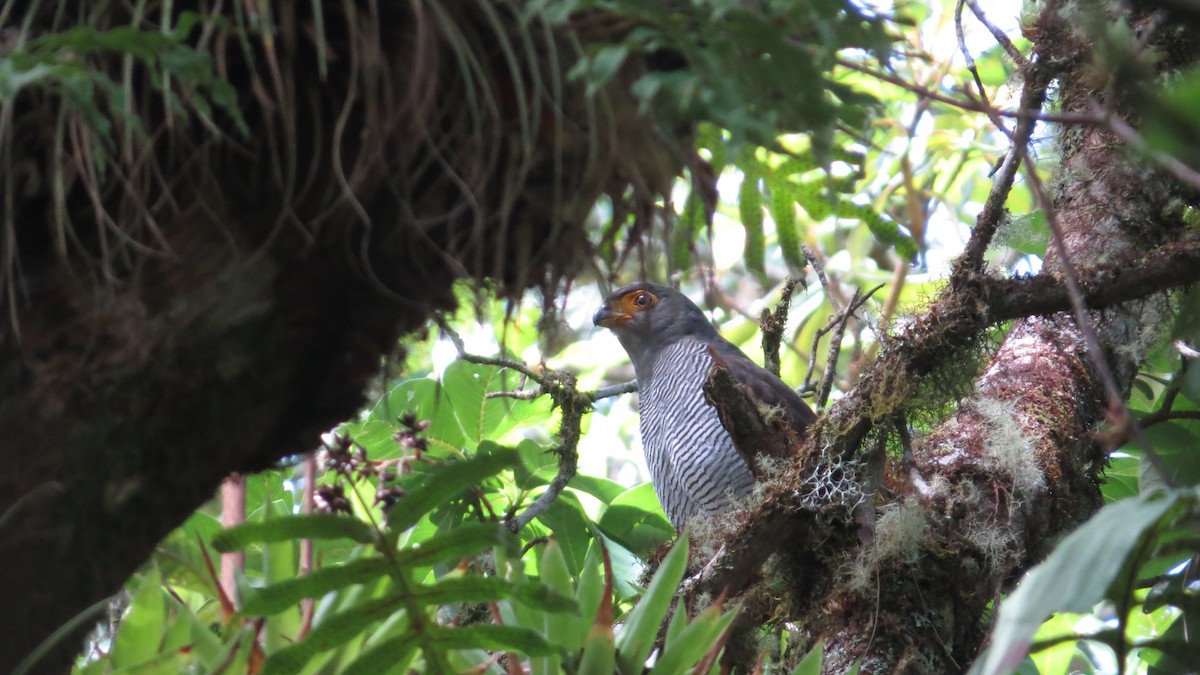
(1057, 659)
(141, 629)
(1056, 585)
(636, 520)
(279, 563)
(491, 589)
(597, 69)
(423, 398)
(314, 526)
(601, 488)
(1177, 447)
(643, 622)
(571, 530)
(542, 597)
(537, 466)
(205, 644)
(1121, 478)
(626, 567)
(467, 385)
(599, 654)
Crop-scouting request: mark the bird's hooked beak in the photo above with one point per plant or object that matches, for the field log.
(607, 318)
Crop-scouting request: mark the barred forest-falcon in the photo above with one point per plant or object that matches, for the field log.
(695, 468)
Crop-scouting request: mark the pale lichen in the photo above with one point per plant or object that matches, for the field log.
(900, 531)
(1006, 448)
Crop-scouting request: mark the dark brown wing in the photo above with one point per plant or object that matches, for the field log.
(765, 386)
(738, 388)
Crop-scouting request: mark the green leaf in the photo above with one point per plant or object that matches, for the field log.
(643, 622)
(1176, 447)
(141, 628)
(750, 211)
(885, 230)
(445, 483)
(1121, 478)
(423, 398)
(601, 66)
(590, 588)
(811, 663)
(278, 597)
(783, 212)
(1056, 585)
(453, 545)
(391, 655)
(465, 388)
(683, 234)
(314, 526)
(694, 641)
(335, 630)
(490, 589)
(559, 630)
(679, 621)
(571, 530)
(601, 488)
(544, 598)
(599, 650)
(496, 637)
(635, 519)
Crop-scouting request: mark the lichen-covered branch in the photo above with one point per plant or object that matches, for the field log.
(573, 404)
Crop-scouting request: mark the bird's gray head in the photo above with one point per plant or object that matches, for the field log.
(647, 317)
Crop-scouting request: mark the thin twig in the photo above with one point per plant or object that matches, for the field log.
(561, 388)
(1022, 113)
(1001, 38)
(835, 343)
(815, 261)
(1161, 416)
(1033, 95)
(971, 68)
(773, 323)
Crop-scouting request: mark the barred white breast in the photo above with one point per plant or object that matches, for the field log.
(692, 461)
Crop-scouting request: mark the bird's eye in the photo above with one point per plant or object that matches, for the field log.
(642, 300)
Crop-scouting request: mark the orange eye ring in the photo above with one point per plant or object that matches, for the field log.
(638, 301)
